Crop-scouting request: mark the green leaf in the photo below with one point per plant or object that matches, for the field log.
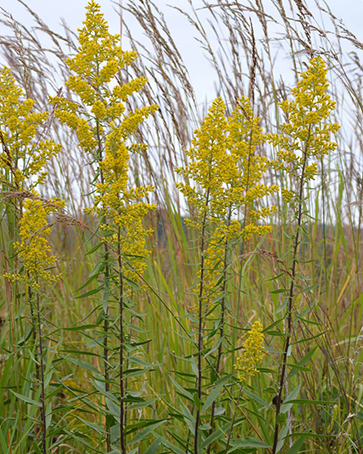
(282, 435)
(300, 364)
(136, 372)
(295, 448)
(287, 405)
(279, 290)
(144, 433)
(256, 398)
(79, 362)
(80, 352)
(281, 307)
(25, 399)
(113, 408)
(74, 436)
(140, 362)
(183, 391)
(275, 333)
(274, 278)
(196, 401)
(91, 292)
(131, 283)
(143, 404)
(214, 393)
(101, 388)
(136, 328)
(310, 402)
(186, 412)
(214, 348)
(306, 339)
(268, 328)
(92, 425)
(154, 447)
(216, 435)
(80, 328)
(94, 249)
(249, 442)
(91, 279)
(308, 289)
(173, 448)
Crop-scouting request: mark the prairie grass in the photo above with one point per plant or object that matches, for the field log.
(169, 373)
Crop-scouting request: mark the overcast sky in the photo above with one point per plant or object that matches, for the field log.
(351, 11)
(51, 11)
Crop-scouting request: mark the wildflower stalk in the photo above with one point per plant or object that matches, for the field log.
(307, 133)
(42, 383)
(246, 366)
(222, 320)
(291, 293)
(104, 128)
(22, 165)
(221, 163)
(106, 283)
(105, 340)
(200, 321)
(34, 253)
(122, 343)
(233, 419)
(34, 328)
(22, 160)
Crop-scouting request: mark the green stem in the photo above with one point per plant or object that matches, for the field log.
(278, 399)
(222, 321)
(121, 313)
(233, 419)
(200, 325)
(107, 286)
(42, 397)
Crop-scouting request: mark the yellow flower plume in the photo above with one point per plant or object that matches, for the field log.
(33, 248)
(253, 352)
(307, 134)
(23, 156)
(104, 126)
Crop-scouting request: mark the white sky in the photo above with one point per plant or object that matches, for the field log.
(51, 11)
(351, 11)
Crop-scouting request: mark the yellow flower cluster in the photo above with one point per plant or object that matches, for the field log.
(33, 248)
(252, 354)
(225, 166)
(123, 207)
(103, 126)
(223, 178)
(23, 157)
(98, 61)
(307, 134)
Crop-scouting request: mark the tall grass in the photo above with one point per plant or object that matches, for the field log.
(180, 363)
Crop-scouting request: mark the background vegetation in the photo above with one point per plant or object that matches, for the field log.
(245, 43)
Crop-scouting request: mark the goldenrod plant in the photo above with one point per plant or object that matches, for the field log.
(34, 253)
(305, 139)
(222, 181)
(246, 367)
(234, 327)
(105, 128)
(27, 259)
(22, 161)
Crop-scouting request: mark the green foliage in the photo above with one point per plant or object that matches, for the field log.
(130, 328)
